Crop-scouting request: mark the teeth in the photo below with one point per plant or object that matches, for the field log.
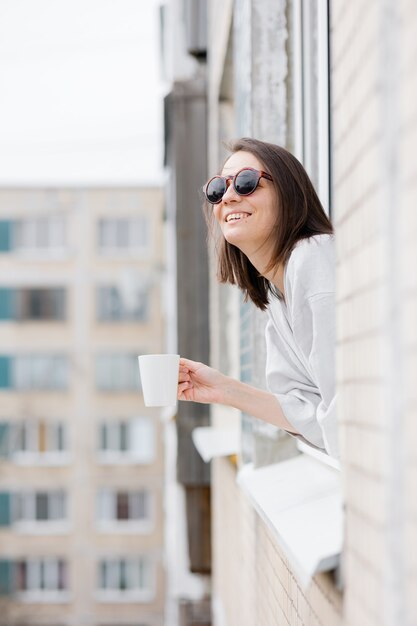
(235, 216)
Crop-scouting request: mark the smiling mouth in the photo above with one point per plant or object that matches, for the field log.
(235, 217)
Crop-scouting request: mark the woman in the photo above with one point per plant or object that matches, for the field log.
(276, 244)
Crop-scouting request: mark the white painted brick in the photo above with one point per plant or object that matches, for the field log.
(361, 193)
(356, 104)
(366, 542)
(362, 489)
(355, 28)
(369, 450)
(411, 497)
(409, 263)
(356, 614)
(362, 314)
(338, 12)
(411, 377)
(411, 434)
(409, 318)
(411, 586)
(364, 358)
(363, 404)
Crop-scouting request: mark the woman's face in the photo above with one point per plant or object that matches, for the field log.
(246, 221)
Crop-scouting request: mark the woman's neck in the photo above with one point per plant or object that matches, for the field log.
(275, 275)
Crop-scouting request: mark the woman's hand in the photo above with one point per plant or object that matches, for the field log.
(199, 383)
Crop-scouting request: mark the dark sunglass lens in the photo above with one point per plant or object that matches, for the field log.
(246, 182)
(215, 190)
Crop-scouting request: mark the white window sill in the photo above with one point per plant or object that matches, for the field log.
(55, 459)
(125, 527)
(300, 501)
(46, 527)
(43, 596)
(123, 458)
(45, 255)
(214, 442)
(124, 253)
(318, 455)
(124, 597)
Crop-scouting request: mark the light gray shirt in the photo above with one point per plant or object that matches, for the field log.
(300, 340)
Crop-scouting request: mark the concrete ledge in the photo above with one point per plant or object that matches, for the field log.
(300, 501)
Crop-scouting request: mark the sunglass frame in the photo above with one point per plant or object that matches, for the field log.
(260, 174)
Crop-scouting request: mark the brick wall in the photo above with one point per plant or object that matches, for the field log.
(361, 300)
(253, 584)
(374, 126)
(408, 237)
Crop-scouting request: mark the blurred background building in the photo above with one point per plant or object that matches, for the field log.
(82, 459)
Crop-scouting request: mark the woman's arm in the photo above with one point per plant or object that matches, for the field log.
(200, 383)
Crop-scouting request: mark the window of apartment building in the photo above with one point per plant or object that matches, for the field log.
(309, 110)
(124, 575)
(24, 509)
(24, 304)
(40, 437)
(117, 372)
(123, 506)
(33, 438)
(112, 306)
(6, 235)
(124, 235)
(308, 137)
(40, 304)
(122, 441)
(41, 575)
(34, 371)
(38, 234)
(39, 506)
(40, 371)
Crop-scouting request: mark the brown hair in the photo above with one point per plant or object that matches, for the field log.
(299, 215)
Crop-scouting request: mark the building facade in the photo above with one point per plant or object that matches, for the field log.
(82, 459)
(334, 82)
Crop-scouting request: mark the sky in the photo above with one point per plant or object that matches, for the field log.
(80, 92)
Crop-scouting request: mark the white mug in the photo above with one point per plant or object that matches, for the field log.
(159, 376)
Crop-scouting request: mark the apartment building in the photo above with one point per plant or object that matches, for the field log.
(297, 540)
(81, 457)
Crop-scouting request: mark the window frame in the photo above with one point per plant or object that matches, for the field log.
(115, 248)
(25, 518)
(103, 296)
(32, 372)
(38, 574)
(107, 519)
(302, 81)
(36, 226)
(111, 566)
(118, 364)
(138, 427)
(55, 429)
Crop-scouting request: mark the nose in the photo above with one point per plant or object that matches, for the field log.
(230, 194)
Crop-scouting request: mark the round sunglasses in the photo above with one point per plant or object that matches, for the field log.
(245, 181)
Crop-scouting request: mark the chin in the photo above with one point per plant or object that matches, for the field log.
(231, 237)
(235, 240)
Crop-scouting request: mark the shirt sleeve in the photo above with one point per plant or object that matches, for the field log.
(308, 404)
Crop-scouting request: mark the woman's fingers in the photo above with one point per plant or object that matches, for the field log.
(183, 387)
(187, 363)
(183, 376)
